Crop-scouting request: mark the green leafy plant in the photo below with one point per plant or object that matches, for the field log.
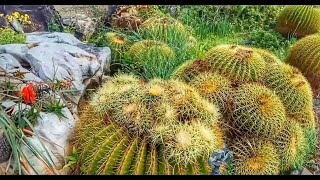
(54, 106)
(9, 36)
(72, 159)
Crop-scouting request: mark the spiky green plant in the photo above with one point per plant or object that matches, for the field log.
(118, 44)
(291, 145)
(268, 56)
(189, 69)
(257, 111)
(165, 29)
(160, 110)
(123, 100)
(306, 119)
(305, 55)
(300, 20)
(149, 50)
(238, 63)
(213, 87)
(253, 156)
(106, 148)
(291, 86)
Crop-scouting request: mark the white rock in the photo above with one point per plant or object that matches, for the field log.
(55, 37)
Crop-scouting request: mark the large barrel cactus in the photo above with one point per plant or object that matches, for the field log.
(159, 127)
(299, 20)
(305, 55)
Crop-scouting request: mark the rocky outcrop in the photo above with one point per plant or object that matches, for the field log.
(47, 57)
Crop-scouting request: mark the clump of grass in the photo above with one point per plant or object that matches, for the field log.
(16, 137)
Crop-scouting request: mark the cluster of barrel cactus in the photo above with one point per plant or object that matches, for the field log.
(159, 127)
(266, 104)
(245, 97)
(299, 20)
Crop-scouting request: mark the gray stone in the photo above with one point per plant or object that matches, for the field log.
(16, 50)
(62, 62)
(10, 64)
(55, 37)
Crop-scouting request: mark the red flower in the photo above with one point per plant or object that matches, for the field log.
(28, 94)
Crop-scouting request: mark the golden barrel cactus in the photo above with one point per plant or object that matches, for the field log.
(238, 63)
(253, 156)
(149, 50)
(305, 55)
(301, 20)
(258, 111)
(118, 44)
(291, 144)
(166, 29)
(291, 86)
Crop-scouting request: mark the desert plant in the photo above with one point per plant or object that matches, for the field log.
(238, 63)
(105, 148)
(189, 69)
(304, 55)
(118, 44)
(291, 86)
(268, 56)
(291, 144)
(213, 87)
(18, 141)
(148, 50)
(130, 17)
(253, 156)
(165, 29)
(301, 20)
(166, 112)
(258, 111)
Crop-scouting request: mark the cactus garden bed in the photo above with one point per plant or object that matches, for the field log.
(190, 90)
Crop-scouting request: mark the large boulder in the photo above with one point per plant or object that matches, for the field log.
(41, 17)
(46, 57)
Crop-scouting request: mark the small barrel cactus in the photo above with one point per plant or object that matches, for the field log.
(149, 50)
(254, 156)
(165, 29)
(238, 63)
(213, 87)
(299, 20)
(189, 69)
(258, 111)
(118, 44)
(304, 55)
